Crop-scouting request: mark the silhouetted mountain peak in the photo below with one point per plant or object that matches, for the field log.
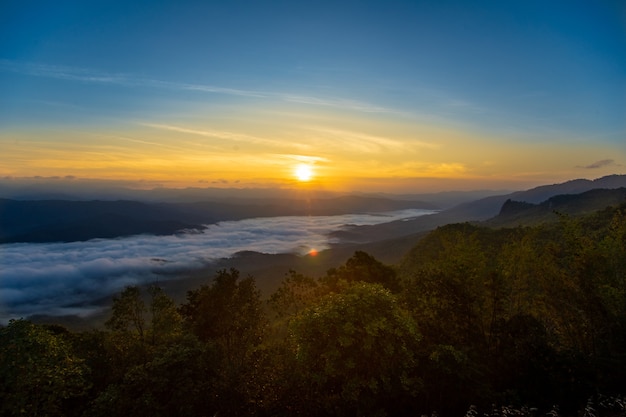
(513, 207)
(514, 213)
(542, 193)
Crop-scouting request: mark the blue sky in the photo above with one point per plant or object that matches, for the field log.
(501, 93)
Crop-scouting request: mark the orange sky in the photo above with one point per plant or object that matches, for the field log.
(419, 96)
(262, 148)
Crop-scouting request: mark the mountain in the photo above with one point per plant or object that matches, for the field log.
(87, 190)
(102, 226)
(65, 220)
(478, 210)
(488, 207)
(544, 192)
(270, 269)
(68, 221)
(444, 199)
(516, 213)
(77, 189)
(242, 209)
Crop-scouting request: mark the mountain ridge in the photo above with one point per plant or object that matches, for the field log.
(67, 221)
(70, 220)
(478, 210)
(515, 213)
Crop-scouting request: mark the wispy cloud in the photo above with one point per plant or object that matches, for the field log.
(68, 278)
(63, 72)
(151, 144)
(307, 159)
(435, 170)
(600, 164)
(211, 89)
(362, 142)
(217, 134)
(92, 76)
(338, 103)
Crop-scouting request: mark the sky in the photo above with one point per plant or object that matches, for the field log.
(73, 278)
(396, 96)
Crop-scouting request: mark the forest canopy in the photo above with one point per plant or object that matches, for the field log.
(500, 319)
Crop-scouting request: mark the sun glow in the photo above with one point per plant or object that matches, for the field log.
(303, 172)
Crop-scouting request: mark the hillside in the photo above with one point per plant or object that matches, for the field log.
(270, 269)
(520, 213)
(67, 221)
(519, 317)
(478, 210)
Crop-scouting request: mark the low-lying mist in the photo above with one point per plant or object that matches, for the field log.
(69, 278)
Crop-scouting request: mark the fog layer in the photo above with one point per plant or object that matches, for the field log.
(67, 278)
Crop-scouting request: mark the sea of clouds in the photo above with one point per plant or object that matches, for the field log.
(67, 278)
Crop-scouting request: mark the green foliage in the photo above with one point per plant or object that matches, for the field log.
(137, 329)
(449, 280)
(612, 247)
(525, 362)
(543, 303)
(128, 312)
(473, 315)
(166, 321)
(228, 313)
(295, 293)
(357, 349)
(180, 380)
(39, 371)
(362, 267)
(127, 324)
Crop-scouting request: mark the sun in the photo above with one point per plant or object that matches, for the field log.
(303, 172)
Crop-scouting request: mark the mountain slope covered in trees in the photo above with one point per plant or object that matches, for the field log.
(525, 316)
(479, 210)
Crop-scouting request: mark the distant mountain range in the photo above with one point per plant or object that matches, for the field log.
(59, 220)
(89, 190)
(70, 220)
(519, 213)
(478, 210)
(391, 241)
(67, 221)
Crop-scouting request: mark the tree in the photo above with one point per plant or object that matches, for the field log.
(228, 314)
(128, 313)
(363, 267)
(39, 371)
(448, 279)
(179, 380)
(526, 367)
(165, 319)
(126, 340)
(295, 293)
(137, 329)
(357, 350)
